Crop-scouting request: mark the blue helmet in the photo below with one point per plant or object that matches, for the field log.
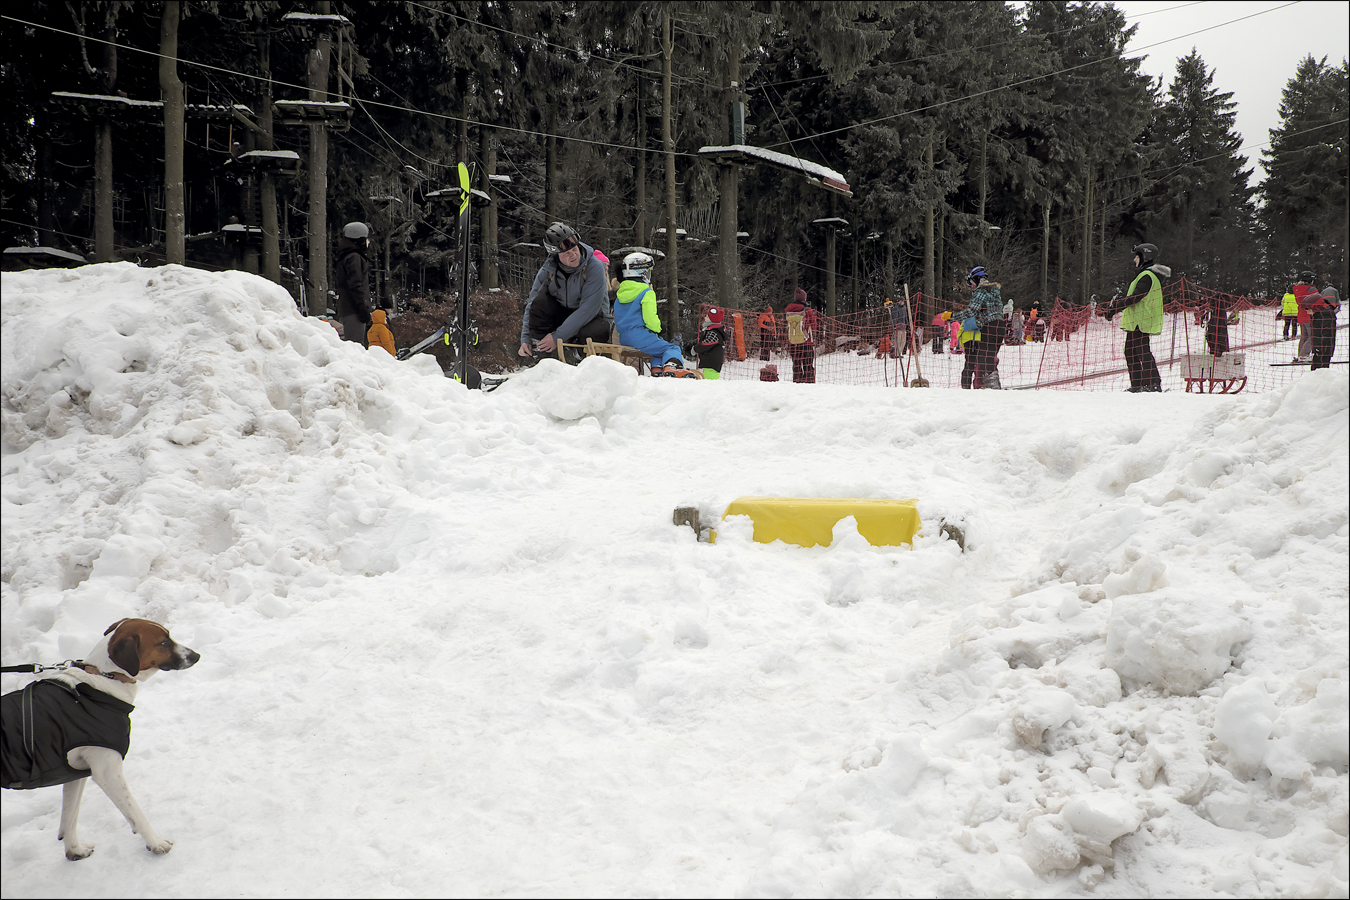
(977, 274)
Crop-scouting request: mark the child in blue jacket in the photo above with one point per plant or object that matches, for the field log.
(635, 315)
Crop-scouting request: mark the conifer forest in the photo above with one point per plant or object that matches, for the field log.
(1019, 137)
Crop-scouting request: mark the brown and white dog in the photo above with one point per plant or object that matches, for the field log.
(130, 652)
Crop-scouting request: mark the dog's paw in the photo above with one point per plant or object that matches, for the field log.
(78, 851)
(159, 845)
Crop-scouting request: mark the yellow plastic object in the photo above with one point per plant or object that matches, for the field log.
(810, 521)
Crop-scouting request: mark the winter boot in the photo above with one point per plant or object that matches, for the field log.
(991, 382)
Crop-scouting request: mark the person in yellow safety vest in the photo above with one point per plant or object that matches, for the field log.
(1289, 312)
(1142, 318)
(379, 335)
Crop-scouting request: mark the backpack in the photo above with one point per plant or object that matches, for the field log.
(796, 334)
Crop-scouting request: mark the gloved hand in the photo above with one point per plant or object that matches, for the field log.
(946, 317)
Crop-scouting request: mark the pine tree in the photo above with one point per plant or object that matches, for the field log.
(1305, 211)
(1199, 206)
(1101, 104)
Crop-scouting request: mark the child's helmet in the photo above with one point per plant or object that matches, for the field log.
(355, 231)
(1146, 253)
(559, 238)
(638, 265)
(1306, 277)
(977, 274)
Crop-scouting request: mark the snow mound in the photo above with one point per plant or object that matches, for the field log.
(1313, 734)
(592, 388)
(192, 432)
(1243, 720)
(1291, 744)
(1175, 643)
(1082, 832)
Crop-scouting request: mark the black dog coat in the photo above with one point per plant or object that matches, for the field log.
(46, 720)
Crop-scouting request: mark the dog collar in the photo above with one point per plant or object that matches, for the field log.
(115, 676)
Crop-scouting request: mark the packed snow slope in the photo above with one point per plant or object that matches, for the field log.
(453, 645)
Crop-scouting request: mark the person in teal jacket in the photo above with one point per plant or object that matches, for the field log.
(635, 315)
(1142, 317)
(984, 318)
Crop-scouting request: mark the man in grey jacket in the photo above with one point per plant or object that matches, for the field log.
(569, 300)
(353, 282)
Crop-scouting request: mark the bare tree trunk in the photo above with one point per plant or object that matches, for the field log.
(1059, 262)
(103, 191)
(551, 169)
(640, 173)
(46, 217)
(387, 295)
(940, 254)
(487, 230)
(984, 188)
(1085, 288)
(1101, 248)
(830, 267)
(318, 178)
(462, 91)
(853, 304)
(890, 272)
(175, 215)
(1045, 251)
(728, 261)
(728, 205)
(271, 237)
(1190, 234)
(104, 236)
(672, 246)
(928, 287)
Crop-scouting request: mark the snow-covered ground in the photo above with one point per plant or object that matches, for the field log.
(453, 645)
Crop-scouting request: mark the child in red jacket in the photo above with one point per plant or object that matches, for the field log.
(710, 349)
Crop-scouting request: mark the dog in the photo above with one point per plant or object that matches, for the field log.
(76, 725)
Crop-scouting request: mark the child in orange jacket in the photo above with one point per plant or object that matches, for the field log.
(379, 335)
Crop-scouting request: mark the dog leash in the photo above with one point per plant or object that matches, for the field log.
(33, 668)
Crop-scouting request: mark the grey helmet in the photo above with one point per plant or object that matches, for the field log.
(638, 265)
(355, 230)
(559, 238)
(1147, 253)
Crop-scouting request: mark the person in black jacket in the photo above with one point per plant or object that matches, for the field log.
(1323, 325)
(711, 346)
(1216, 328)
(353, 282)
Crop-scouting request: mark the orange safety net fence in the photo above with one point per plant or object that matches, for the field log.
(1070, 348)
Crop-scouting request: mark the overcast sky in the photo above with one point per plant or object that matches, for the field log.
(1253, 58)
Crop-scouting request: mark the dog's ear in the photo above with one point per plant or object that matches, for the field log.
(114, 626)
(125, 650)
